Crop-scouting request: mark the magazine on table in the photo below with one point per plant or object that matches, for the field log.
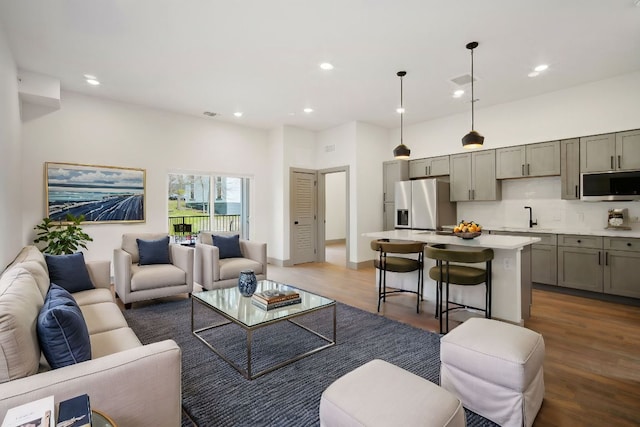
(39, 413)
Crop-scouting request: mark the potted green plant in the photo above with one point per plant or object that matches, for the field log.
(62, 237)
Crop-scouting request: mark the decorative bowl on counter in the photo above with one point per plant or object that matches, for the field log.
(468, 235)
(467, 230)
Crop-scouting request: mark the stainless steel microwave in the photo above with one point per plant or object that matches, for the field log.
(610, 186)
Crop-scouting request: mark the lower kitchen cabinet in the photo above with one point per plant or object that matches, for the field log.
(389, 218)
(580, 268)
(544, 258)
(622, 257)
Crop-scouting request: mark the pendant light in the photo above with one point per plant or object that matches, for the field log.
(473, 139)
(401, 151)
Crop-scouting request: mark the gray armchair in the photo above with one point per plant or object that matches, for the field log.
(135, 282)
(211, 272)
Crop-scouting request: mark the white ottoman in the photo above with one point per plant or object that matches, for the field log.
(495, 368)
(381, 394)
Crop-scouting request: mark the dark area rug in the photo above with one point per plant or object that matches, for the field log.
(215, 394)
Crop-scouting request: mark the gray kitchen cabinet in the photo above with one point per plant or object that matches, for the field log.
(581, 262)
(544, 256)
(430, 166)
(473, 176)
(628, 150)
(570, 169)
(392, 172)
(610, 152)
(541, 159)
(388, 219)
(597, 153)
(621, 260)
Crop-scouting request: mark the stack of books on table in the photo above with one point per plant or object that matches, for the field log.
(274, 298)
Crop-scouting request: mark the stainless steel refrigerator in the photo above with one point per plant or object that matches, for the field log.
(424, 204)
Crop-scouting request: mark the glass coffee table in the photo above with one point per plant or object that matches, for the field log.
(239, 310)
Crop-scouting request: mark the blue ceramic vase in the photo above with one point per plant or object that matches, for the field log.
(247, 283)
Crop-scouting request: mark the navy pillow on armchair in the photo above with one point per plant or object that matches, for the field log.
(69, 272)
(229, 246)
(154, 251)
(62, 331)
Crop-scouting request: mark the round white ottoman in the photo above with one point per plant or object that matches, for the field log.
(495, 368)
(381, 394)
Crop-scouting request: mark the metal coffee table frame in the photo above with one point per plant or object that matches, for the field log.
(247, 373)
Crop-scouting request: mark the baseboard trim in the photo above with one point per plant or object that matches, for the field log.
(335, 241)
(360, 265)
(280, 263)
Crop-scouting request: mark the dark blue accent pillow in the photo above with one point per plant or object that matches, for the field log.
(69, 271)
(154, 251)
(229, 246)
(62, 331)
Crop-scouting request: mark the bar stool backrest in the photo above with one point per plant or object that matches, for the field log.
(438, 252)
(397, 247)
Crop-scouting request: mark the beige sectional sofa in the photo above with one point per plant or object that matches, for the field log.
(134, 384)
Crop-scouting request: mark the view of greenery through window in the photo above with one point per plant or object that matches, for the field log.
(190, 202)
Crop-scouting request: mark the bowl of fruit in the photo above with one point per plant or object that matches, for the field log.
(467, 230)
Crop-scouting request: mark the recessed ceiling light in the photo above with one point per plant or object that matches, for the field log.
(93, 82)
(326, 66)
(533, 74)
(90, 76)
(308, 110)
(400, 110)
(238, 114)
(541, 67)
(458, 93)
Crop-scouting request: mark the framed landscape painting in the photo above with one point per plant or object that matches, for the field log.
(101, 193)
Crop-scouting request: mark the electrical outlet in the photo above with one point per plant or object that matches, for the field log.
(507, 263)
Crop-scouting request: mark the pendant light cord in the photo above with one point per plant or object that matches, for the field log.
(402, 112)
(473, 98)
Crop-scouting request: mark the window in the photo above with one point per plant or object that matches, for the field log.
(190, 201)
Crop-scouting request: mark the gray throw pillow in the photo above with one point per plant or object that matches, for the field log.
(154, 251)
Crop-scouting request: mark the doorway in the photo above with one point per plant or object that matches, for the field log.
(333, 194)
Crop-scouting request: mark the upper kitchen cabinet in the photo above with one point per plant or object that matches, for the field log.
(431, 166)
(610, 152)
(392, 172)
(570, 169)
(542, 159)
(473, 176)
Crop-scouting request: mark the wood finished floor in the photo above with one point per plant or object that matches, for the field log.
(592, 364)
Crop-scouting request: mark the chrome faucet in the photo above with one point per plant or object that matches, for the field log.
(531, 222)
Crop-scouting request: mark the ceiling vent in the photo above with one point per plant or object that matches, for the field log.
(464, 79)
(210, 113)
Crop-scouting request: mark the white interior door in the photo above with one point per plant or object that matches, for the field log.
(303, 217)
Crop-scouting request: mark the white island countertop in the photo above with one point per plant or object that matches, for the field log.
(485, 240)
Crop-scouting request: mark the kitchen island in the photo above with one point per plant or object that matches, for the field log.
(511, 268)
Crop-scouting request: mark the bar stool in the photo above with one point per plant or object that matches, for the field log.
(455, 274)
(398, 264)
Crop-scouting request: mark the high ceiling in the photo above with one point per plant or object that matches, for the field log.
(262, 57)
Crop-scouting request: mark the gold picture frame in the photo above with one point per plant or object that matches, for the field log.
(103, 194)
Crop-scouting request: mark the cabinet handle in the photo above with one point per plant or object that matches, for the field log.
(473, 193)
(619, 162)
(606, 258)
(629, 244)
(426, 170)
(469, 194)
(522, 169)
(429, 170)
(612, 166)
(579, 241)
(528, 172)
(599, 258)
(576, 191)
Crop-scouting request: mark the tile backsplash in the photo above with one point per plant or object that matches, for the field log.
(543, 195)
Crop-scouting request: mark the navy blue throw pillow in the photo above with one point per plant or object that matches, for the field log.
(69, 271)
(229, 246)
(154, 251)
(62, 331)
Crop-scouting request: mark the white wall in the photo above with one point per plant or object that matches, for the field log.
(93, 130)
(599, 107)
(10, 188)
(335, 206)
